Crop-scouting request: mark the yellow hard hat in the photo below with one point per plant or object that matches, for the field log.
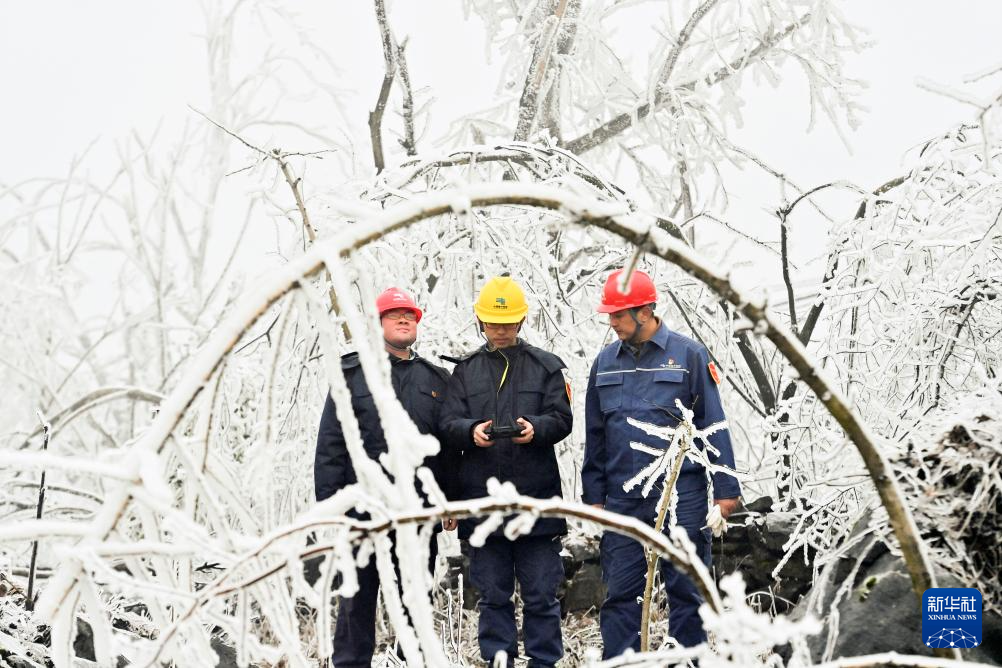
(501, 301)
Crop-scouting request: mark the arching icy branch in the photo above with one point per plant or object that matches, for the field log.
(683, 559)
(613, 218)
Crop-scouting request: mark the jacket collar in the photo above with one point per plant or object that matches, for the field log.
(660, 339)
(396, 360)
(518, 346)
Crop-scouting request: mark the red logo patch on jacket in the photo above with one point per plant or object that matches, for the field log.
(714, 373)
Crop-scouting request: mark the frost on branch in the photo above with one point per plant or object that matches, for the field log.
(908, 328)
(664, 458)
(955, 482)
(746, 637)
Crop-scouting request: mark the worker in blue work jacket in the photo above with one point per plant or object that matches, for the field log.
(641, 376)
(507, 406)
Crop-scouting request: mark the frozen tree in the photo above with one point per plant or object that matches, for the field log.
(179, 416)
(910, 325)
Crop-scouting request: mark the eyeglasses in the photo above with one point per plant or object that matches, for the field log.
(409, 316)
(501, 327)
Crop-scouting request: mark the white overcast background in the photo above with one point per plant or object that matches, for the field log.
(80, 76)
(75, 72)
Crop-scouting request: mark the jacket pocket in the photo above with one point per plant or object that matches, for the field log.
(669, 385)
(481, 403)
(436, 395)
(428, 403)
(530, 402)
(610, 390)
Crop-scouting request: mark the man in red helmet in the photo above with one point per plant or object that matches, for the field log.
(640, 376)
(420, 386)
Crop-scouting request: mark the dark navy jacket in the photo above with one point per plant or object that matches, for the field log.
(534, 389)
(420, 386)
(670, 367)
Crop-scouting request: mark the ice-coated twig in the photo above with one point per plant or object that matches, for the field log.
(621, 122)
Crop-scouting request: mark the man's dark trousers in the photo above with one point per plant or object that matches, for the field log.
(624, 569)
(355, 629)
(535, 561)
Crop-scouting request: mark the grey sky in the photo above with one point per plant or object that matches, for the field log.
(76, 71)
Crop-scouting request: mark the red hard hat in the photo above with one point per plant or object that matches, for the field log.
(392, 298)
(640, 292)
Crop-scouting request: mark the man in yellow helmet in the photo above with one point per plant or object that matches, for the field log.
(506, 408)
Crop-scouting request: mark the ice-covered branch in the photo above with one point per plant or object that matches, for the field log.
(810, 372)
(390, 70)
(983, 105)
(321, 517)
(29, 602)
(409, 141)
(626, 120)
(330, 515)
(683, 37)
(810, 322)
(542, 81)
(91, 401)
(295, 185)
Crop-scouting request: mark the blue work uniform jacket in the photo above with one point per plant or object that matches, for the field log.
(533, 389)
(419, 385)
(670, 366)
